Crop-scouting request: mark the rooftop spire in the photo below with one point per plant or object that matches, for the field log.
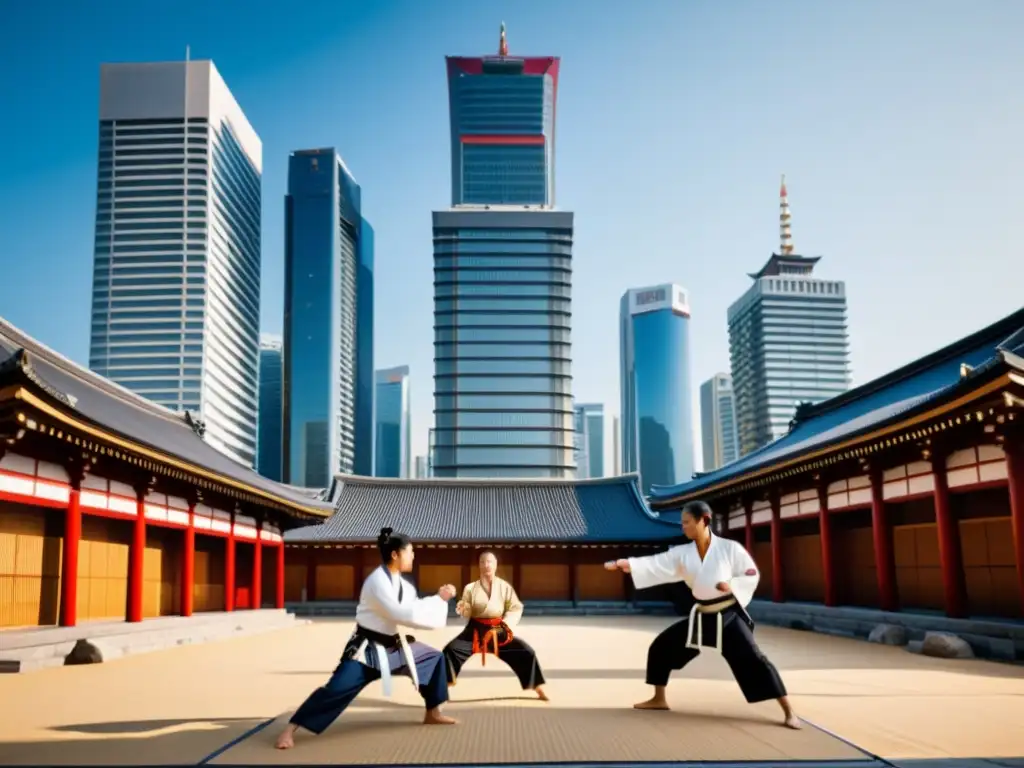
(503, 43)
(784, 217)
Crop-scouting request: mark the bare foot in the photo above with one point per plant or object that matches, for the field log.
(792, 721)
(434, 717)
(540, 694)
(655, 703)
(286, 739)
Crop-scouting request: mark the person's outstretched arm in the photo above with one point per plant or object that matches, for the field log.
(422, 613)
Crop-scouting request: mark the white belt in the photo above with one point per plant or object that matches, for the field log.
(385, 666)
(717, 609)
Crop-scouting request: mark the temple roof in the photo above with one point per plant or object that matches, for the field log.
(919, 386)
(778, 264)
(99, 402)
(489, 511)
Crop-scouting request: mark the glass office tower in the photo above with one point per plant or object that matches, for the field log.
(328, 322)
(176, 270)
(393, 441)
(589, 419)
(502, 314)
(268, 461)
(657, 426)
(718, 422)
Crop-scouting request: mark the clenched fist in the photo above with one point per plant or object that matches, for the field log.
(447, 592)
(617, 565)
(462, 609)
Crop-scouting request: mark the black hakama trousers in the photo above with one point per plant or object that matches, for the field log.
(326, 703)
(517, 654)
(757, 676)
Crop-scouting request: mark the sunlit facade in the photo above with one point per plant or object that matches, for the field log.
(393, 438)
(176, 269)
(328, 322)
(268, 461)
(719, 439)
(657, 424)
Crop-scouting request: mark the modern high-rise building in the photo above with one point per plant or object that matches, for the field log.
(393, 441)
(616, 448)
(421, 467)
(268, 462)
(788, 342)
(589, 422)
(657, 425)
(176, 270)
(502, 112)
(718, 422)
(502, 279)
(328, 323)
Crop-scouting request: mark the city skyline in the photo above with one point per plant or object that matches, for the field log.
(832, 195)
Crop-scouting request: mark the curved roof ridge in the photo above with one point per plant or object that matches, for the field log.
(440, 482)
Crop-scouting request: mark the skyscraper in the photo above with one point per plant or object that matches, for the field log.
(268, 461)
(502, 279)
(393, 441)
(589, 422)
(616, 448)
(657, 426)
(787, 342)
(421, 467)
(328, 323)
(502, 111)
(176, 271)
(718, 422)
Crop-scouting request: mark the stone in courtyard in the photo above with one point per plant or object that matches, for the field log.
(888, 634)
(944, 645)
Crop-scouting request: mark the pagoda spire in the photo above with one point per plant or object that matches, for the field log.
(784, 221)
(503, 43)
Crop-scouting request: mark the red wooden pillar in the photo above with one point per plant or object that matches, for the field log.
(229, 567)
(748, 525)
(778, 593)
(885, 557)
(257, 569)
(69, 564)
(279, 577)
(951, 560)
(1015, 482)
(828, 574)
(136, 559)
(188, 564)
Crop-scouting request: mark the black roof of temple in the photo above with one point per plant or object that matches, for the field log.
(489, 511)
(98, 402)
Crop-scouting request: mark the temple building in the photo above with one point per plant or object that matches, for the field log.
(113, 507)
(551, 536)
(904, 493)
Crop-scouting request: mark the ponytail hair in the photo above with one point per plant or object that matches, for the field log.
(699, 510)
(389, 542)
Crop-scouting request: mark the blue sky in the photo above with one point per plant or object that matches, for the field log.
(898, 124)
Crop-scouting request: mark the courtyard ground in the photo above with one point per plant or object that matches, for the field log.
(213, 703)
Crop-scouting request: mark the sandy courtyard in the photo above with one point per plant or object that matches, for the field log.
(188, 705)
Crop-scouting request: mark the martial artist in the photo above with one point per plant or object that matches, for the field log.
(722, 576)
(379, 649)
(493, 610)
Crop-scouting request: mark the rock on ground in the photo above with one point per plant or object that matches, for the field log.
(84, 652)
(888, 634)
(944, 645)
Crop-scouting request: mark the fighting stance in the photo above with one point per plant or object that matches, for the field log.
(723, 577)
(493, 610)
(379, 649)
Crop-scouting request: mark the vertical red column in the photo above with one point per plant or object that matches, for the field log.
(279, 577)
(136, 559)
(748, 525)
(951, 560)
(257, 569)
(229, 567)
(885, 558)
(828, 575)
(188, 564)
(69, 559)
(778, 592)
(1015, 482)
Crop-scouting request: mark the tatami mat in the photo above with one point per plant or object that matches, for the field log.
(583, 724)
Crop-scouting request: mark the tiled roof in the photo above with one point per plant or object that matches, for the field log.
(105, 404)
(489, 511)
(890, 398)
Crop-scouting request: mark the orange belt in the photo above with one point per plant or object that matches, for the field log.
(481, 640)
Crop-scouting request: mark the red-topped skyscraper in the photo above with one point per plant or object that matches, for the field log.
(503, 127)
